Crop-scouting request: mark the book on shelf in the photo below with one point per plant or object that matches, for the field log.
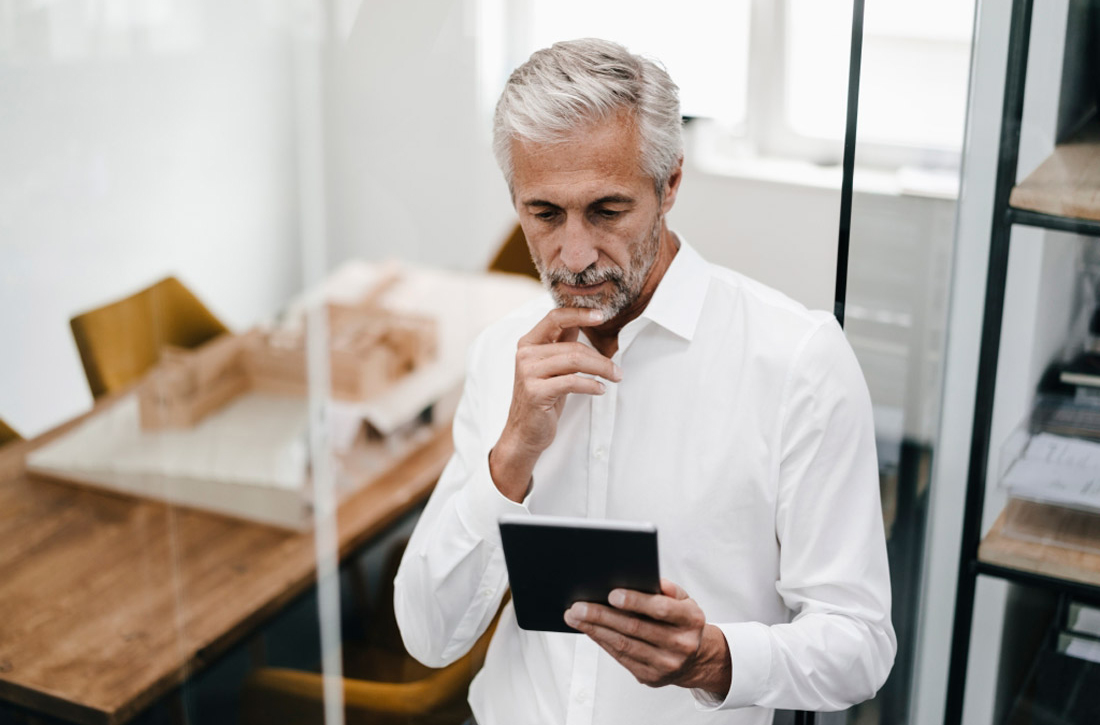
(1066, 408)
(1082, 371)
(1072, 415)
(1082, 634)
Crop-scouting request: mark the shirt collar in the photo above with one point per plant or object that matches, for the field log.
(678, 300)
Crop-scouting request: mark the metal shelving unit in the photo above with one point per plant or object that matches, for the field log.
(1005, 217)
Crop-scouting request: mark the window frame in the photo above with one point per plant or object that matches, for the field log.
(765, 131)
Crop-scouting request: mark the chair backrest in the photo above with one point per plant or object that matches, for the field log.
(514, 256)
(120, 341)
(7, 435)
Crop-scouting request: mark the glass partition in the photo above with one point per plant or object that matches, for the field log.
(245, 249)
(912, 107)
(156, 522)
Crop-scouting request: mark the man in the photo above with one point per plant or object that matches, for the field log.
(653, 386)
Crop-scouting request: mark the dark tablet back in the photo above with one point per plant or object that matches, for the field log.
(556, 561)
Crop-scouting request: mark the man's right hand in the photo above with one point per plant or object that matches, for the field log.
(547, 360)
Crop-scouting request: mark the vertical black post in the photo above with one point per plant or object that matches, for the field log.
(854, 65)
(1011, 115)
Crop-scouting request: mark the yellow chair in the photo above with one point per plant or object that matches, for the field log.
(7, 435)
(514, 256)
(120, 341)
(383, 684)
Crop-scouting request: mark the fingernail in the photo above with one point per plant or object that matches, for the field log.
(616, 598)
(618, 372)
(595, 315)
(570, 619)
(580, 610)
(603, 388)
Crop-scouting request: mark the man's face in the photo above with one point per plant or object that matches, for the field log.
(590, 214)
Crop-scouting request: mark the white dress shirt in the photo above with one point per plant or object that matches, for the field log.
(742, 428)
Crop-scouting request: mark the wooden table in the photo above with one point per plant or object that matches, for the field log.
(108, 602)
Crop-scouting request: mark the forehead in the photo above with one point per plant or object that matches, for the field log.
(597, 159)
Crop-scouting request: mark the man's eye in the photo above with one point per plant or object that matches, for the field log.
(546, 215)
(608, 213)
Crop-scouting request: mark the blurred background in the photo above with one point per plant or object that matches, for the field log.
(278, 158)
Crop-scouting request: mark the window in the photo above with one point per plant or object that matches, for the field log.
(712, 83)
(914, 72)
(775, 72)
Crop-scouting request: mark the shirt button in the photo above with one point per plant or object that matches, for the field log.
(582, 695)
(486, 593)
(601, 453)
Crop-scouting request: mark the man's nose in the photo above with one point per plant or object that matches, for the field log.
(578, 249)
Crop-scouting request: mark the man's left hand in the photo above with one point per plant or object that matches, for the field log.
(662, 639)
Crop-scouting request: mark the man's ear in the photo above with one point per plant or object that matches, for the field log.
(673, 185)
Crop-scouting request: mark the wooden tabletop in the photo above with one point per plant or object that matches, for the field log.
(1043, 539)
(107, 602)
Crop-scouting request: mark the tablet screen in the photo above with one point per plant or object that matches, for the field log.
(555, 561)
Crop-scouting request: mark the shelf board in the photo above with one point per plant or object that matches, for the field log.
(1059, 543)
(1067, 184)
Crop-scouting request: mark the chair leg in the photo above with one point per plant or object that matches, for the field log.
(257, 651)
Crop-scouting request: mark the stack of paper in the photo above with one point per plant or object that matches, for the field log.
(1056, 469)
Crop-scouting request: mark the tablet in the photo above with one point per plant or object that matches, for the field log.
(554, 561)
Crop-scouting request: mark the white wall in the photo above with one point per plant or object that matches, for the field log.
(134, 147)
(411, 173)
(1037, 312)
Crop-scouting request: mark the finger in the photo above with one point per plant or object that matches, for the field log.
(558, 321)
(549, 349)
(663, 608)
(631, 625)
(572, 358)
(550, 389)
(647, 663)
(671, 589)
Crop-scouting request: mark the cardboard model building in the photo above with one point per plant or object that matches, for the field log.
(370, 348)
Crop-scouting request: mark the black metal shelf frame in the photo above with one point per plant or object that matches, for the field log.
(1027, 218)
(1086, 593)
(1004, 218)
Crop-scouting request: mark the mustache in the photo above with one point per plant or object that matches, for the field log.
(584, 278)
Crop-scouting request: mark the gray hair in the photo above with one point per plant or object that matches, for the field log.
(575, 83)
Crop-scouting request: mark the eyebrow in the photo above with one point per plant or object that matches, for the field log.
(609, 199)
(613, 199)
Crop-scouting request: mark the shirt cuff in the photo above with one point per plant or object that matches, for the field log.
(750, 649)
(481, 504)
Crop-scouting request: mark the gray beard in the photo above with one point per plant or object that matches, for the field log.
(626, 284)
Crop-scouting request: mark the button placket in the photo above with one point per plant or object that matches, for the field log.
(582, 684)
(602, 426)
(586, 655)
